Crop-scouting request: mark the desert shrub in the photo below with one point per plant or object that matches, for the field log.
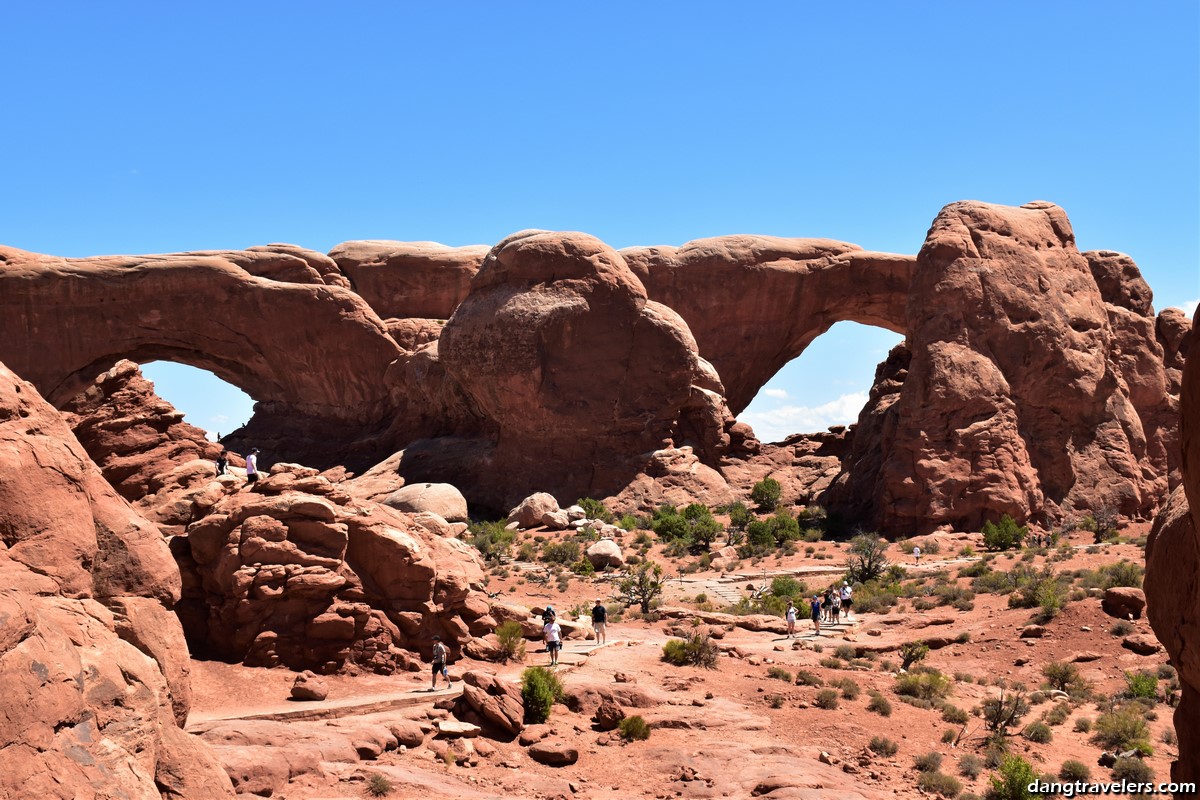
(929, 762)
(826, 699)
(1122, 728)
(629, 523)
(940, 784)
(1003, 535)
(379, 785)
(491, 539)
(766, 494)
(696, 650)
(1012, 782)
(1169, 737)
(832, 663)
(850, 688)
(912, 652)
(512, 641)
(1058, 715)
(845, 652)
(786, 586)
(970, 766)
(779, 674)
(1003, 712)
(883, 746)
(924, 604)
(595, 509)
(874, 597)
(1141, 684)
(1121, 628)
(1038, 732)
(540, 690)
(561, 552)
(643, 585)
(1066, 678)
(1133, 770)
(583, 567)
(926, 686)
(974, 570)
(634, 729)
(774, 700)
(526, 552)
(1072, 770)
(866, 559)
(954, 715)
(880, 705)
(1083, 725)
(949, 736)
(806, 678)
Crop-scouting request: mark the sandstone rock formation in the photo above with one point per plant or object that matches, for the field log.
(1173, 576)
(92, 660)
(422, 280)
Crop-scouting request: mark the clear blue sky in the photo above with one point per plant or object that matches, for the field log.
(150, 127)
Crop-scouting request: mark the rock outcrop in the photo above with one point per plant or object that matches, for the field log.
(91, 656)
(1173, 576)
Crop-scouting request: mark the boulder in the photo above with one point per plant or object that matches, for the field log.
(454, 729)
(1123, 602)
(496, 701)
(308, 686)
(531, 510)
(1142, 644)
(608, 715)
(553, 753)
(436, 498)
(555, 520)
(604, 554)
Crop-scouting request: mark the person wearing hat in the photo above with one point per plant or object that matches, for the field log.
(599, 620)
(553, 634)
(439, 663)
(847, 598)
(252, 466)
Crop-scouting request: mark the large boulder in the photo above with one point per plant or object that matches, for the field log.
(496, 701)
(606, 553)
(442, 499)
(1124, 602)
(530, 512)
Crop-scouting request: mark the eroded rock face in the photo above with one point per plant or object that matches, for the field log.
(88, 704)
(409, 279)
(1173, 577)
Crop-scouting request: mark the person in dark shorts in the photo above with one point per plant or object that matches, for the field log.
(553, 635)
(847, 598)
(223, 462)
(816, 613)
(252, 466)
(440, 654)
(600, 621)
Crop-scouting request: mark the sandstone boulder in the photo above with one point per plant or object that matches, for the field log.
(530, 512)
(437, 498)
(496, 701)
(1123, 602)
(1141, 643)
(608, 715)
(553, 753)
(604, 554)
(308, 686)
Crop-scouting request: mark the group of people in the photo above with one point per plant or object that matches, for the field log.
(823, 608)
(552, 631)
(251, 464)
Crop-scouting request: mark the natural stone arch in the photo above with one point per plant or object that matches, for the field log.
(306, 348)
(788, 292)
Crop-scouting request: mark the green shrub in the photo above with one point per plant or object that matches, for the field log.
(831, 663)
(634, 729)
(786, 586)
(779, 674)
(880, 705)
(943, 785)
(923, 685)
(1122, 728)
(1012, 782)
(806, 678)
(1072, 770)
(954, 715)
(1141, 684)
(1038, 732)
(1083, 725)
(929, 762)
(970, 766)
(1133, 770)
(775, 700)
(1003, 712)
(1066, 678)
(583, 567)
(1058, 715)
(766, 494)
(696, 650)
(949, 736)
(379, 785)
(595, 509)
(512, 641)
(629, 523)
(1004, 535)
(491, 539)
(561, 552)
(846, 652)
(883, 746)
(826, 699)
(850, 688)
(540, 690)
(912, 652)
(1121, 628)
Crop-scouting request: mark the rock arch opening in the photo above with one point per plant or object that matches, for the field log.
(206, 401)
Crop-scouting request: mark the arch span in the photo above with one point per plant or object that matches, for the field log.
(788, 292)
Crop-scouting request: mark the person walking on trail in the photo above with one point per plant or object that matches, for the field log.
(440, 653)
(553, 635)
(847, 598)
(827, 605)
(835, 609)
(599, 621)
(816, 613)
(917, 554)
(790, 615)
(252, 466)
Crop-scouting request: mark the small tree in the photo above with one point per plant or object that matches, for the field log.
(668, 524)
(540, 690)
(1005, 535)
(1003, 712)
(1012, 783)
(702, 527)
(739, 518)
(644, 584)
(512, 640)
(867, 559)
(595, 509)
(912, 652)
(766, 494)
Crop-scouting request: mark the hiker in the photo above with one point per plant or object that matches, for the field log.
(847, 598)
(835, 608)
(223, 462)
(548, 615)
(790, 615)
(816, 613)
(917, 554)
(553, 635)
(252, 466)
(439, 663)
(599, 620)
(827, 605)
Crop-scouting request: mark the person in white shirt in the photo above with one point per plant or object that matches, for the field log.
(847, 598)
(252, 466)
(553, 634)
(917, 554)
(791, 620)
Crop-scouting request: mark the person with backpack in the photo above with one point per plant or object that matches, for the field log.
(599, 621)
(440, 656)
(553, 634)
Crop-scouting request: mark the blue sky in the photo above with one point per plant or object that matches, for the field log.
(150, 127)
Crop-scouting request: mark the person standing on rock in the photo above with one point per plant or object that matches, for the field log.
(440, 654)
(917, 554)
(816, 613)
(223, 462)
(553, 635)
(599, 621)
(847, 598)
(252, 466)
(790, 615)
